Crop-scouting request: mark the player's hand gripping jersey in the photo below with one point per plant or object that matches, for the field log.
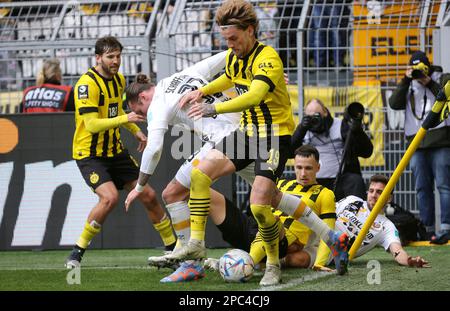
(352, 212)
(164, 109)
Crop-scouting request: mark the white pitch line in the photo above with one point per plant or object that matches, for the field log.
(294, 282)
(82, 268)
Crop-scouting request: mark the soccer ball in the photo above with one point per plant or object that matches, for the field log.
(236, 266)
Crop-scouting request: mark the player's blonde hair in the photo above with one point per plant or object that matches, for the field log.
(238, 13)
(141, 83)
(50, 72)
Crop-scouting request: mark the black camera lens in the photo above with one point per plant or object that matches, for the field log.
(417, 74)
(316, 121)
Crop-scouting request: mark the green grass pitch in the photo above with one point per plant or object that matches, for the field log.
(126, 270)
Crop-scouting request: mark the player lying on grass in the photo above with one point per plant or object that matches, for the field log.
(241, 230)
(159, 104)
(352, 212)
(263, 138)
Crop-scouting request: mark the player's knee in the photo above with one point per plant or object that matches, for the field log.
(259, 211)
(109, 200)
(171, 194)
(149, 197)
(199, 180)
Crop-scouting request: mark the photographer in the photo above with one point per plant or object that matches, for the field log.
(431, 162)
(337, 140)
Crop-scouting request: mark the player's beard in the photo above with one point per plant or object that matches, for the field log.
(110, 70)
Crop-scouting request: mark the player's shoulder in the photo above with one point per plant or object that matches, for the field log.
(282, 183)
(86, 79)
(121, 78)
(268, 52)
(323, 190)
(350, 199)
(386, 221)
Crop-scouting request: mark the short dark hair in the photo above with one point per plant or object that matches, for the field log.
(379, 178)
(107, 44)
(306, 151)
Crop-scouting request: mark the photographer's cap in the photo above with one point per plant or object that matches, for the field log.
(419, 57)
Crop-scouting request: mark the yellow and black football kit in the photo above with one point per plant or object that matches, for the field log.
(260, 73)
(266, 120)
(98, 116)
(263, 137)
(321, 200)
(241, 230)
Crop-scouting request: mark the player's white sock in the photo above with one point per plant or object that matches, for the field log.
(298, 209)
(180, 214)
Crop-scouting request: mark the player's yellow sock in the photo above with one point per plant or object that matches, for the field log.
(257, 249)
(90, 230)
(199, 202)
(269, 230)
(164, 229)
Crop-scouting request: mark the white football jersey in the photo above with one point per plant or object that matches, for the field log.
(164, 109)
(352, 212)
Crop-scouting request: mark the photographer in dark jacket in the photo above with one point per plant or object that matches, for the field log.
(416, 94)
(340, 143)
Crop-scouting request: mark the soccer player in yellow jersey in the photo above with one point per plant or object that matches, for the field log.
(266, 125)
(298, 244)
(320, 199)
(104, 163)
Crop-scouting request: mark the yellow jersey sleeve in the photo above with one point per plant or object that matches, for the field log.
(87, 95)
(256, 93)
(222, 83)
(131, 127)
(269, 69)
(94, 124)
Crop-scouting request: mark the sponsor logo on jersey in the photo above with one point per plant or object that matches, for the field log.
(83, 92)
(376, 225)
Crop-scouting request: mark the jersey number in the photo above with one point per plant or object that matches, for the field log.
(274, 158)
(113, 110)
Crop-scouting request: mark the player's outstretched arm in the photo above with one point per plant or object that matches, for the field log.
(134, 194)
(94, 124)
(149, 162)
(404, 259)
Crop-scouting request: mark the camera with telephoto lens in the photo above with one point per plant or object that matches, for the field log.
(353, 114)
(313, 122)
(419, 71)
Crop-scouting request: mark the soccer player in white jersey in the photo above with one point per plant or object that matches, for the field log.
(352, 212)
(160, 104)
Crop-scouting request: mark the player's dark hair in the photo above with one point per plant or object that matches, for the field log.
(141, 83)
(305, 151)
(379, 178)
(107, 44)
